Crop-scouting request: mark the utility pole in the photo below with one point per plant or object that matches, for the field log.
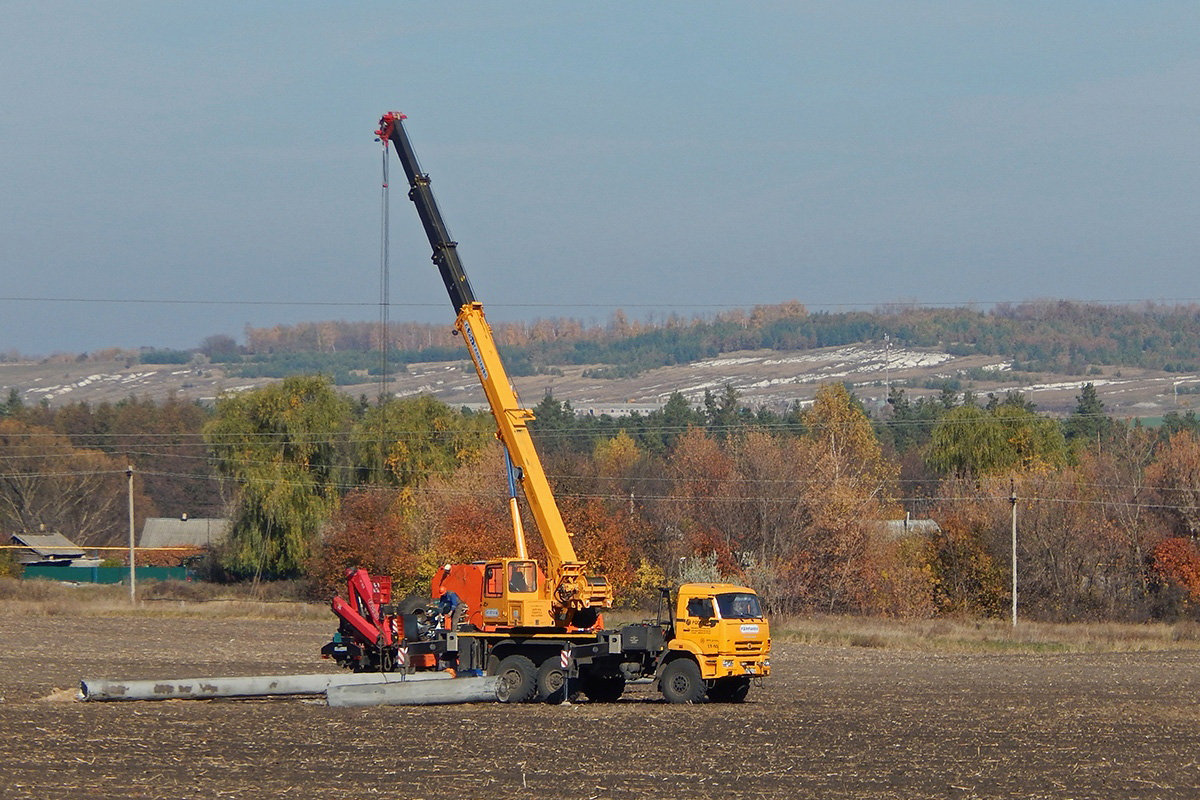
(132, 568)
(1012, 498)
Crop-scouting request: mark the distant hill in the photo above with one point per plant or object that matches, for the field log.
(1049, 336)
(1142, 359)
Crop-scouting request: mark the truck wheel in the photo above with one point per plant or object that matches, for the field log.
(681, 682)
(518, 680)
(551, 682)
(729, 690)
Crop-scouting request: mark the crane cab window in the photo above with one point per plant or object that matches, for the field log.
(701, 607)
(493, 580)
(522, 576)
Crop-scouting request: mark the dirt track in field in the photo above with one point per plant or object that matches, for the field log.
(830, 723)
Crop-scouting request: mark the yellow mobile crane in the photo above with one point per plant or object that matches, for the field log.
(541, 633)
(507, 592)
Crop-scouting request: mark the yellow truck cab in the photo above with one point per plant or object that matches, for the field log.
(721, 640)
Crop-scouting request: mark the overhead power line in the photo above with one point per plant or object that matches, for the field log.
(664, 305)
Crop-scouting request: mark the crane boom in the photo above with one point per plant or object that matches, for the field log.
(572, 590)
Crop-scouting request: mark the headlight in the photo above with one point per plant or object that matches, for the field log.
(727, 663)
(766, 662)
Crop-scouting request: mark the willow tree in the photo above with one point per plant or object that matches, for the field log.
(280, 445)
(970, 441)
(404, 442)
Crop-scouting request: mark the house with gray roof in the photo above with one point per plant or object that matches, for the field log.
(49, 548)
(183, 531)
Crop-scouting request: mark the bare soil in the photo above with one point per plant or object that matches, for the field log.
(831, 722)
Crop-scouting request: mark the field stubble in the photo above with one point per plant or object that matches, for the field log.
(898, 716)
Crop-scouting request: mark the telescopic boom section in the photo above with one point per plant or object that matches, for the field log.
(445, 252)
(571, 588)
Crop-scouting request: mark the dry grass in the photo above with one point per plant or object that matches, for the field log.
(155, 599)
(976, 636)
(970, 635)
(208, 601)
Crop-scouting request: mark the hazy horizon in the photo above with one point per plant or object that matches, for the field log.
(176, 171)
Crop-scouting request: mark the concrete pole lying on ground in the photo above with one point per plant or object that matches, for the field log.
(459, 690)
(255, 686)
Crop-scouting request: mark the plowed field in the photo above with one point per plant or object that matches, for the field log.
(830, 723)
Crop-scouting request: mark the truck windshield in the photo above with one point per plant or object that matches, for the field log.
(739, 605)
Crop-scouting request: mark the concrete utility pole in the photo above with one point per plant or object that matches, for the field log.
(132, 568)
(1012, 498)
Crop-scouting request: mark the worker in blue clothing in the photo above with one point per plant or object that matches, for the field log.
(448, 602)
(453, 611)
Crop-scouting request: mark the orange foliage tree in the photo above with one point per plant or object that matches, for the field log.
(968, 577)
(1175, 476)
(1177, 563)
(466, 513)
(845, 565)
(795, 517)
(601, 538)
(367, 531)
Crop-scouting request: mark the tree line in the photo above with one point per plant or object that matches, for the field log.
(1059, 337)
(793, 503)
(1047, 336)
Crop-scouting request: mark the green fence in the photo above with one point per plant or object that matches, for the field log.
(105, 574)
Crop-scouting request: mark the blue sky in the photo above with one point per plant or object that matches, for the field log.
(215, 161)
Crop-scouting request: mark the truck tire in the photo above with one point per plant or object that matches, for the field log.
(729, 690)
(414, 603)
(551, 682)
(518, 679)
(681, 682)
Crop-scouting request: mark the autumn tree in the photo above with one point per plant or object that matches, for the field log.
(1177, 566)
(602, 539)
(850, 492)
(616, 456)
(465, 515)
(45, 481)
(968, 573)
(794, 515)
(702, 510)
(279, 446)
(367, 531)
(1175, 476)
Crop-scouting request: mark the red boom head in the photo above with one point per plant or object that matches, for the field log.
(388, 122)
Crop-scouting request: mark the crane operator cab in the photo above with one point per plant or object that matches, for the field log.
(515, 594)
